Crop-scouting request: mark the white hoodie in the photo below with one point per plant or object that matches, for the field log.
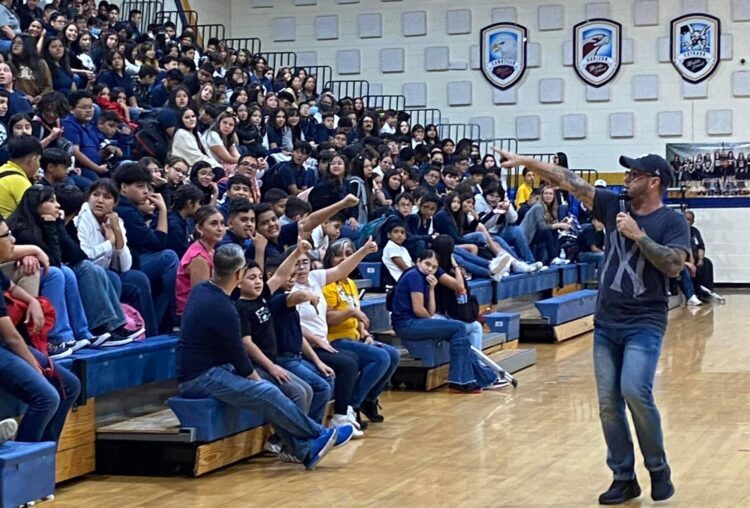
(100, 250)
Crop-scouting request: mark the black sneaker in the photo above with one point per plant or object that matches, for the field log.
(57, 351)
(620, 491)
(661, 484)
(370, 410)
(119, 337)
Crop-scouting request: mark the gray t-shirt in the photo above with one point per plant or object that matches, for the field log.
(633, 293)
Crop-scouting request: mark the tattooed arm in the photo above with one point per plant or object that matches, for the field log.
(556, 175)
(667, 260)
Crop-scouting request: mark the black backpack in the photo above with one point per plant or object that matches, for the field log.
(151, 141)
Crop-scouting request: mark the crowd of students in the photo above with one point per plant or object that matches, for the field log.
(151, 183)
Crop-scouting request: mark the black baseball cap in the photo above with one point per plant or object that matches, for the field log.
(651, 164)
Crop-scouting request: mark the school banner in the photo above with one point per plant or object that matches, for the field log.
(696, 161)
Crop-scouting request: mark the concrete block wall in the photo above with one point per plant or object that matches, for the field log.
(429, 51)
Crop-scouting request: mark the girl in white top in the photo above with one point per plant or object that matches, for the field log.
(221, 139)
(187, 142)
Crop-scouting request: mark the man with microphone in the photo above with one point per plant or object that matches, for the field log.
(646, 243)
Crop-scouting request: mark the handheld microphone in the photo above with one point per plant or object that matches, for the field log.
(624, 202)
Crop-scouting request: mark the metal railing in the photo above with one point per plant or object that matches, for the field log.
(384, 102)
(322, 73)
(424, 116)
(278, 59)
(457, 131)
(204, 32)
(250, 44)
(181, 19)
(485, 145)
(148, 9)
(348, 87)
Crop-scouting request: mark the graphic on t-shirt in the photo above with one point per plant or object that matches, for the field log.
(624, 259)
(263, 314)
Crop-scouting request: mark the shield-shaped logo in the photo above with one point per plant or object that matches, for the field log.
(597, 50)
(695, 44)
(503, 53)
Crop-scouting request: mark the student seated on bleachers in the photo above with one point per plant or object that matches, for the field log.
(294, 210)
(102, 236)
(414, 305)
(348, 331)
(180, 222)
(212, 362)
(258, 335)
(238, 186)
(591, 243)
(497, 214)
(277, 199)
(197, 264)
(325, 234)
(19, 172)
(147, 244)
(396, 257)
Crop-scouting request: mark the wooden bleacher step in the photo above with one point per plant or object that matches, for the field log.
(561, 318)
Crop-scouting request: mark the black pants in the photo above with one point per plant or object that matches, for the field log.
(345, 365)
(704, 276)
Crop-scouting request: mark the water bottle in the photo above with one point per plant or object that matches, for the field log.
(461, 297)
(562, 254)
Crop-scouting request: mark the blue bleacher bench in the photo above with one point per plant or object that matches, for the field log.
(380, 318)
(27, 472)
(429, 352)
(521, 284)
(482, 289)
(508, 323)
(568, 274)
(586, 272)
(373, 272)
(211, 418)
(569, 307)
(107, 370)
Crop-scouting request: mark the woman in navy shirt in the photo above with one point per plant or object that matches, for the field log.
(414, 306)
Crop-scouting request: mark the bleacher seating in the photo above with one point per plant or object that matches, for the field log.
(212, 419)
(564, 308)
(27, 472)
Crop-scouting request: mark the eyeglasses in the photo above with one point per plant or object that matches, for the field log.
(635, 175)
(7, 234)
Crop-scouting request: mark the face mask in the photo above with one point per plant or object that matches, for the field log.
(96, 32)
(313, 110)
(325, 108)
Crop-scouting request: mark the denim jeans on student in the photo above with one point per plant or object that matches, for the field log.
(297, 390)
(60, 286)
(474, 331)
(377, 363)
(686, 283)
(591, 257)
(476, 238)
(222, 382)
(516, 238)
(625, 364)
(161, 270)
(474, 264)
(465, 367)
(134, 289)
(100, 299)
(321, 387)
(48, 400)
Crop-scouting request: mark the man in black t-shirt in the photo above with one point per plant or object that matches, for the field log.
(646, 243)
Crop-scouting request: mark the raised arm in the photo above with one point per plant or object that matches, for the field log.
(286, 269)
(318, 217)
(347, 266)
(556, 175)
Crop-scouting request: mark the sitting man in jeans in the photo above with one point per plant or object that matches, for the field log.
(148, 243)
(212, 362)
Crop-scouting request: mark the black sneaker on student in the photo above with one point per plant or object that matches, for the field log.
(620, 491)
(119, 337)
(370, 410)
(58, 351)
(661, 484)
(78, 344)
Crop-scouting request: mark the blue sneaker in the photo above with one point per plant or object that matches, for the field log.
(344, 434)
(319, 448)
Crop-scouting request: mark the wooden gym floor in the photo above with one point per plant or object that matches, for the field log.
(539, 445)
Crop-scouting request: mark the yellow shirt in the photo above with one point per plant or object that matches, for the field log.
(522, 194)
(12, 188)
(342, 296)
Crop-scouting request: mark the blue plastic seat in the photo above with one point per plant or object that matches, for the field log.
(211, 418)
(569, 307)
(27, 472)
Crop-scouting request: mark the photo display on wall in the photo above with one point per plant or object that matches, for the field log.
(597, 50)
(694, 46)
(702, 161)
(503, 53)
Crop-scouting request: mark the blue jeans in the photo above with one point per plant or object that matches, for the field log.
(161, 270)
(48, 400)
(465, 367)
(515, 237)
(474, 331)
(306, 371)
(686, 283)
(60, 286)
(625, 364)
(222, 382)
(474, 264)
(100, 299)
(134, 289)
(476, 238)
(377, 363)
(297, 390)
(591, 257)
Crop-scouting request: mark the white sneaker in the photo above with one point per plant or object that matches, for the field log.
(500, 262)
(694, 301)
(272, 447)
(77, 345)
(538, 266)
(8, 429)
(522, 267)
(558, 261)
(337, 420)
(352, 416)
(714, 295)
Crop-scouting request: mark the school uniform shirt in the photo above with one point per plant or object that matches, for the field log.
(286, 325)
(391, 251)
(287, 237)
(412, 281)
(313, 318)
(343, 295)
(256, 321)
(85, 135)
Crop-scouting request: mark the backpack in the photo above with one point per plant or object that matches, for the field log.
(150, 139)
(371, 229)
(133, 321)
